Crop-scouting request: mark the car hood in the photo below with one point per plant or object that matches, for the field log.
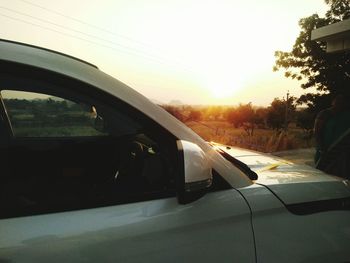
(290, 182)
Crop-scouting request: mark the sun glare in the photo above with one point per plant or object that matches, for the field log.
(224, 55)
(222, 86)
(218, 49)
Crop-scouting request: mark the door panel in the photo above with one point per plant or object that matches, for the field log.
(46, 171)
(215, 228)
(282, 236)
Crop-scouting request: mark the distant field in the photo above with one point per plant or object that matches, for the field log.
(67, 131)
(265, 140)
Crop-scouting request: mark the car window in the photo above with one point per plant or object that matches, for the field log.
(74, 150)
(39, 115)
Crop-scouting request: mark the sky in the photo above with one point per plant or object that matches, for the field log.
(197, 52)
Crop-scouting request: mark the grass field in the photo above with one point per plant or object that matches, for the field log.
(265, 140)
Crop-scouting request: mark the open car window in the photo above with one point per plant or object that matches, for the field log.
(33, 114)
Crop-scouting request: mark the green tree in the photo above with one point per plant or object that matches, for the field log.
(308, 61)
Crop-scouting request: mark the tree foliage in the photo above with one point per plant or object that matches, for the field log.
(276, 113)
(244, 113)
(194, 115)
(175, 111)
(247, 117)
(308, 61)
(305, 119)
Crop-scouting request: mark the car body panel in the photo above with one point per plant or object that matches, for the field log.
(152, 231)
(67, 66)
(281, 236)
(292, 183)
(252, 223)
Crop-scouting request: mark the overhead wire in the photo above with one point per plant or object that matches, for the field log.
(99, 28)
(80, 38)
(83, 22)
(61, 26)
(129, 50)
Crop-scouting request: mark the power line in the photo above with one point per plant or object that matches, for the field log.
(80, 32)
(132, 52)
(82, 22)
(61, 26)
(83, 39)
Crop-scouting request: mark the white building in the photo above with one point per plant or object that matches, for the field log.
(336, 35)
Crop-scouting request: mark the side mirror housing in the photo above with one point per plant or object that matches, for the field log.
(197, 172)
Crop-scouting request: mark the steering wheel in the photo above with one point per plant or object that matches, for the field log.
(131, 164)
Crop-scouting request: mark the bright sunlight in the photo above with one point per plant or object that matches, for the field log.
(222, 50)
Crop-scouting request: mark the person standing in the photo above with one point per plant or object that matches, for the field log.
(330, 125)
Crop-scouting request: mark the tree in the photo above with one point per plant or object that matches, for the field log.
(243, 116)
(174, 111)
(213, 113)
(194, 115)
(243, 113)
(305, 120)
(247, 115)
(260, 117)
(308, 60)
(276, 112)
(233, 117)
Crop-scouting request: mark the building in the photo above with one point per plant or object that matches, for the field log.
(336, 35)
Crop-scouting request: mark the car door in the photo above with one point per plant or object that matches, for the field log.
(89, 179)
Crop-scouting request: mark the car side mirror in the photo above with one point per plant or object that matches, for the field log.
(197, 172)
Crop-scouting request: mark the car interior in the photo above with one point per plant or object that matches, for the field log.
(118, 163)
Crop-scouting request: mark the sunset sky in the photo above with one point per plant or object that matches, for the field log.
(197, 52)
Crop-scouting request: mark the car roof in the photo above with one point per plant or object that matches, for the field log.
(88, 73)
(49, 50)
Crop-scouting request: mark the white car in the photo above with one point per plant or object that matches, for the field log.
(92, 171)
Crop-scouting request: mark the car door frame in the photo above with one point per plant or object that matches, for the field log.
(158, 230)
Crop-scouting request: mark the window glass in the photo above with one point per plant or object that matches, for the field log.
(40, 115)
(80, 151)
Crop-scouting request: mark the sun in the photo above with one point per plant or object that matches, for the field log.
(222, 90)
(223, 85)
